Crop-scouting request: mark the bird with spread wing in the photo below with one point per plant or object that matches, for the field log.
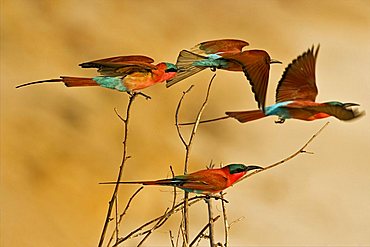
(295, 97)
(227, 54)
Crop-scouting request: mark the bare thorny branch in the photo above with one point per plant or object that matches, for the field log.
(188, 146)
(123, 214)
(201, 233)
(159, 221)
(113, 199)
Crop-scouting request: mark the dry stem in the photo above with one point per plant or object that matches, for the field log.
(201, 233)
(160, 220)
(124, 158)
(124, 213)
(188, 146)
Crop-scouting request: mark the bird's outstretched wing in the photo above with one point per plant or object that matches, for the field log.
(298, 80)
(256, 67)
(221, 45)
(185, 67)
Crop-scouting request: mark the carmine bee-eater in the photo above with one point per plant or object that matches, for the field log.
(208, 181)
(227, 54)
(122, 73)
(295, 97)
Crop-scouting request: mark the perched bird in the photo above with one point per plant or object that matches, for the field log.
(295, 97)
(208, 181)
(122, 73)
(227, 54)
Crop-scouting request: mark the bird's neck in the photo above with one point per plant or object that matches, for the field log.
(235, 177)
(232, 178)
(159, 75)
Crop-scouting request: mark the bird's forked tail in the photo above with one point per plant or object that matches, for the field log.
(164, 182)
(246, 116)
(67, 80)
(241, 116)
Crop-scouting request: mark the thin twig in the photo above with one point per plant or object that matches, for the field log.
(210, 223)
(188, 148)
(171, 238)
(116, 217)
(150, 231)
(226, 223)
(201, 233)
(174, 189)
(195, 127)
(236, 221)
(301, 150)
(178, 234)
(160, 221)
(124, 212)
(163, 218)
(177, 115)
(124, 158)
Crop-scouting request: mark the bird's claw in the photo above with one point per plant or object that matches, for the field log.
(280, 121)
(207, 197)
(147, 97)
(132, 94)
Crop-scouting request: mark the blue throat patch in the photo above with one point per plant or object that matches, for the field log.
(111, 82)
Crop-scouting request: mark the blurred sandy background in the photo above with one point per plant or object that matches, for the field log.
(57, 143)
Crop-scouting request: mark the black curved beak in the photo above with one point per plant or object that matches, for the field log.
(350, 104)
(274, 61)
(253, 168)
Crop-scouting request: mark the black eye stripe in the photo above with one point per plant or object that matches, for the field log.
(171, 70)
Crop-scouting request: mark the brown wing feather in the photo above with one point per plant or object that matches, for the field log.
(256, 67)
(298, 81)
(117, 61)
(124, 70)
(220, 45)
(212, 181)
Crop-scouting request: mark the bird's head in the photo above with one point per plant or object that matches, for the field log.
(240, 168)
(350, 108)
(170, 70)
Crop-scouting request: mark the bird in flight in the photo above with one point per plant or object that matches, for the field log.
(295, 97)
(227, 54)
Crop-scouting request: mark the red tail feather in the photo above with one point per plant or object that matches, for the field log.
(246, 116)
(78, 81)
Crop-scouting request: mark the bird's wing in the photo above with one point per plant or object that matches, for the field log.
(208, 181)
(298, 80)
(117, 61)
(185, 67)
(221, 45)
(256, 67)
(124, 70)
